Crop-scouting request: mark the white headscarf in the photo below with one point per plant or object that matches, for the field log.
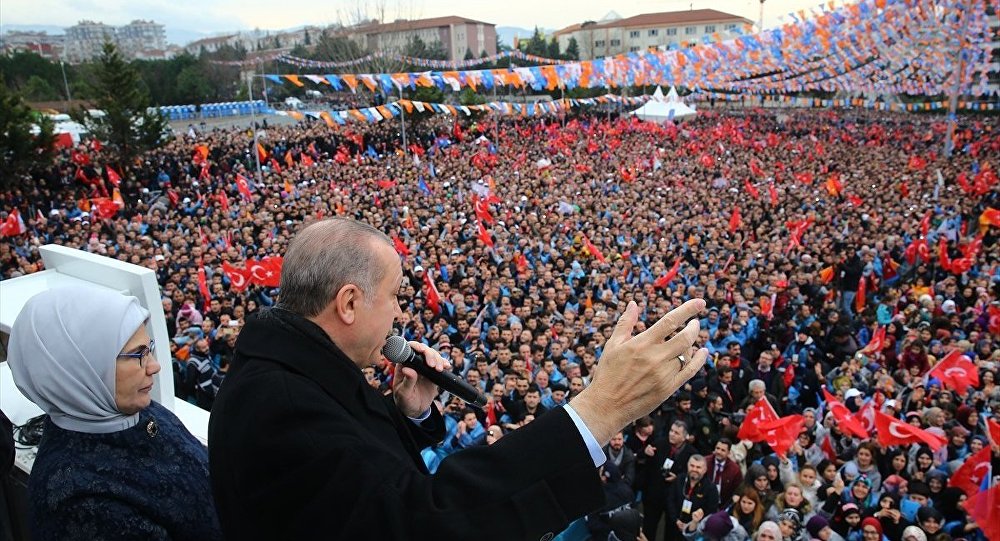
(63, 352)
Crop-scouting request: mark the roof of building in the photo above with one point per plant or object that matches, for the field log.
(418, 24)
(206, 41)
(666, 18)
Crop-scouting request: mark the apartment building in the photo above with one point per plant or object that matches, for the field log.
(614, 35)
(456, 34)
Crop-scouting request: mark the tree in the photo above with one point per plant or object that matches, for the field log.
(572, 50)
(307, 40)
(553, 50)
(20, 149)
(536, 45)
(469, 96)
(468, 54)
(38, 89)
(127, 125)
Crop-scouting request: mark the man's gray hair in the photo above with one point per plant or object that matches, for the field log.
(696, 458)
(326, 256)
(757, 384)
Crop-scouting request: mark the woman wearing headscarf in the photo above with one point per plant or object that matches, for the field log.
(888, 514)
(860, 493)
(111, 463)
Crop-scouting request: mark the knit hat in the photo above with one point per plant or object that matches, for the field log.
(849, 509)
(915, 533)
(873, 522)
(770, 527)
(816, 524)
(754, 472)
(718, 525)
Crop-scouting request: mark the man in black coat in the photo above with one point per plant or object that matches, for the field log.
(303, 448)
(691, 498)
(667, 464)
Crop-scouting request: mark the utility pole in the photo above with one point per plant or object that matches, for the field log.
(69, 97)
(760, 21)
(253, 125)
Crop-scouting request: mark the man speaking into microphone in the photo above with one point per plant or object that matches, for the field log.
(300, 447)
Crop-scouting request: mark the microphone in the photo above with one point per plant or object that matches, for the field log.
(398, 351)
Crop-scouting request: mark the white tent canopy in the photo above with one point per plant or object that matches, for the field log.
(663, 108)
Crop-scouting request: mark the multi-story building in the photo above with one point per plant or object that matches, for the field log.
(85, 39)
(138, 39)
(213, 44)
(456, 34)
(46, 45)
(615, 35)
(140, 36)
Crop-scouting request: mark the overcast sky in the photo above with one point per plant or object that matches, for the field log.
(226, 15)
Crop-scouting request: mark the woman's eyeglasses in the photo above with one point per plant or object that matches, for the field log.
(141, 354)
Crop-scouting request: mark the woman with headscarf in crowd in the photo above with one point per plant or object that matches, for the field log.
(956, 521)
(931, 521)
(890, 517)
(969, 418)
(860, 493)
(112, 463)
(768, 531)
(772, 465)
(818, 527)
(871, 530)
(915, 359)
(756, 478)
(790, 524)
(719, 526)
(936, 481)
(922, 464)
(747, 509)
(846, 521)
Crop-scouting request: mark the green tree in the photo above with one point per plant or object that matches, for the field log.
(553, 50)
(470, 97)
(436, 51)
(468, 54)
(191, 86)
(572, 49)
(536, 45)
(38, 89)
(127, 125)
(20, 149)
(430, 94)
(307, 39)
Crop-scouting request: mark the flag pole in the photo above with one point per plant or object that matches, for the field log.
(253, 125)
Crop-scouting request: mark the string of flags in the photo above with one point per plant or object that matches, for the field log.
(915, 47)
(414, 61)
(394, 109)
(864, 103)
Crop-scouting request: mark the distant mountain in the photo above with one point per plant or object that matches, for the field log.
(47, 28)
(507, 33)
(183, 37)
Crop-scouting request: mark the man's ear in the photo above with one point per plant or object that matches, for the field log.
(346, 303)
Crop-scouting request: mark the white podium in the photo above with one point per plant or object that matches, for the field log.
(66, 266)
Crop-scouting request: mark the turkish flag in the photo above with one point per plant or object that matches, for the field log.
(243, 185)
(482, 210)
(833, 185)
(103, 208)
(773, 192)
(203, 287)
(755, 169)
(256, 269)
(943, 257)
(751, 189)
(760, 412)
(859, 300)
(224, 201)
(239, 279)
(735, 220)
(805, 178)
(400, 246)
(892, 431)
(827, 448)
(13, 225)
(305, 160)
(855, 200)
(706, 160)
(113, 177)
(990, 216)
(984, 508)
(521, 262)
(956, 372)
(665, 280)
(272, 271)
(925, 224)
(779, 434)
(877, 342)
(593, 250)
(431, 292)
(845, 422)
(826, 275)
(866, 416)
(969, 476)
(79, 158)
(767, 307)
(483, 234)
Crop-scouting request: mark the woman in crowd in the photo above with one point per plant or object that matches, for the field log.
(793, 497)
(864, 462)
(747, 508)
(112, 463)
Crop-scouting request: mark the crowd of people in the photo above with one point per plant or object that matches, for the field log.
(837, 251)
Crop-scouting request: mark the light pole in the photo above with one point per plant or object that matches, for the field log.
(69, 97)
(760, 22)
(253, 125)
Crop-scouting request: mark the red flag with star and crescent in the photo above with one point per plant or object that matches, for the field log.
(847, 424)
(892, 431)
(956, 372)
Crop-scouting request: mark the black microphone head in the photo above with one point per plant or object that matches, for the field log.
(396, 349)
